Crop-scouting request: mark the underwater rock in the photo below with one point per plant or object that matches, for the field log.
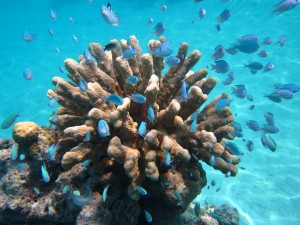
(25, 133)
(119, 155)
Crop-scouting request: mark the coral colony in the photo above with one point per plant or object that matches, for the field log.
(121, 149)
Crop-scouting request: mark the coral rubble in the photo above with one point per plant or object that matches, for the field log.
(159, 152)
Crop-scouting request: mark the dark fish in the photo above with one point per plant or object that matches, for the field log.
(271, 129)
(110, 47)
(8, 121)
(197, 208)
(286, 94)
(268, 142)
(269, 118)
(242, 168)
(250, 145)
(254, 66)
(284, 6)
(274, 97)
(292, 87)
(238, 134)
(248, 47)
(219, 52)
(267, 41)
(159, 29)
(263, 53)
(218, 27)
(237, 126)
(213, 183)
(221, 66)
(224, 16)
(239, 91)
(218, 189)
(233, 148)
(251, 107)
(253, 125)
(249, 97)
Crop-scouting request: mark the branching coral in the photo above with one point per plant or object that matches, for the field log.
(164, 161)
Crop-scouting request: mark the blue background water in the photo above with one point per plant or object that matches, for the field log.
(267, 192)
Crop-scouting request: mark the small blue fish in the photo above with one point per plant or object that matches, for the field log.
(292, 87)
(162, 51)
(270, 66)
(114, 99)
(212, 161)
(28, 36)
(52, 102)
(61, 69)
(36, 190)
(52, 14)
(249, 97)
(172, 61)
(237, 126)
(269, 118)
(168, 157)
(151, 114)
(132, 79)
(52, 150)
(197, 209)
(128, 53)
(233, 148)
(194, 116)
(14, 152)
(22, 157)
(8, 121)
(263, 53)
(286, 94)
(221, 66)
(254, 66)
(85, 163)
(109, 15)
(82, 86)
(141, 190)
(148, 216)
(81, 200)
(103, 128)
(110, 46)
(177, 196)
(159, 29)
(104, 195)
(219, 52)
(247, 44)
(66, 189)
(27, 73)
(45, 174)
(142, 129)
(268, 142)
(138, 98)
(87, 56)
(193, 126)
(253, 125)
(183, 93)
(222, 103)
(267, 41)
(249, 145)
(202, 13)
(54, 118)
(51, 32)
(87, 136)
(74, 38)
(22, 166)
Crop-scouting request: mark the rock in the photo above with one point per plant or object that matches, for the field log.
(25, 133)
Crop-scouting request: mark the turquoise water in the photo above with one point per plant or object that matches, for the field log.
(267, 192)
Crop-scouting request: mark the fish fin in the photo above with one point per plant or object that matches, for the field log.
(109, 6)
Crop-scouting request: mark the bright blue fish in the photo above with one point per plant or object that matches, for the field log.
(172, 61)
(194, 116)
(212, 161)
(66, 189)
(87, 136)
(132, 79)
(222, 103)
(104, 195)
(193, 126)
(148, 216)
(45, 174)
(8, 121)
(52, 150)
(14, 152)
(22, 166)
(141, 190)
(22, 157)
(52, 102)
(82, 86)
(183, 93)
(233, 148)
(286, 94)
(36, 190)
(253, 125)
(109, 15)
(168, 157)
(27, 73)
(85, 163)
(142, 129)
(87, 56)
(115, 99)
(129, 53)
(177, 195)
(54, 118)
(103, 128)
(161, 52)
(138, 98)
(151, 114)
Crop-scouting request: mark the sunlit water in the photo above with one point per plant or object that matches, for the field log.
(267, 192)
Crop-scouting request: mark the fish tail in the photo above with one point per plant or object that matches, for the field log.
(213, 67)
